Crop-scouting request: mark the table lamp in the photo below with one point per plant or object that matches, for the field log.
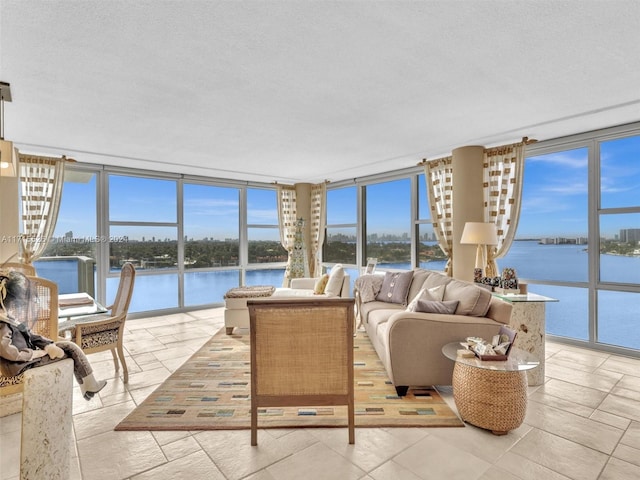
(481, 234)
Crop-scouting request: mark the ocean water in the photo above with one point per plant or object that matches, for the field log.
(618, 322)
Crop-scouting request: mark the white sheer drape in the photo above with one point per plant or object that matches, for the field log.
(438, 175)
(503, 173)
(41, 181)
(287, 217)
(317, 227)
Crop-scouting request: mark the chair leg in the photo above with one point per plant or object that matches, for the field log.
(115, 359)
(254, 425)
(125, 370)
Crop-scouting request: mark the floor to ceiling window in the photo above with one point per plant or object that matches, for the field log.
(618, 295)
(578, 238)
(211, 232)
(143, 230)
(267, 257)
(388, 223)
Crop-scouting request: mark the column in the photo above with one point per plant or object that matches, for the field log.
(46, 422)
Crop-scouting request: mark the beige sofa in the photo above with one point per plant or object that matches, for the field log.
(410, 343)
(236, 313)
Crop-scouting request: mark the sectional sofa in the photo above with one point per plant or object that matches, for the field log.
(410, 316)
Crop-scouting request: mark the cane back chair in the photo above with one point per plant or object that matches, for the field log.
(301, 355)
(98, 333)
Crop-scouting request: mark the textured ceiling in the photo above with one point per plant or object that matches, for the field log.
(308, 91)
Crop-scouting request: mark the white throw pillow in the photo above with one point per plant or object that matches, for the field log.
(336, 279)
(432, 294)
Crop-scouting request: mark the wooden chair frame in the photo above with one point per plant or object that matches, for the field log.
(301, 355)
(98, 333)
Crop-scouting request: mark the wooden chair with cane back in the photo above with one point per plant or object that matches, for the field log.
(301, 355)
(101, 332)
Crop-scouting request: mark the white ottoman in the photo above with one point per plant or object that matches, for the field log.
(236, 313)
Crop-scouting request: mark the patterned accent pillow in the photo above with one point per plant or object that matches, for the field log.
(433, 294)
(395, 287)
(429, 306)
(321, 284)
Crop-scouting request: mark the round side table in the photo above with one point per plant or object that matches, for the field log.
(491, 394)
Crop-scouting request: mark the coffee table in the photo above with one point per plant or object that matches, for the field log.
(491, 394)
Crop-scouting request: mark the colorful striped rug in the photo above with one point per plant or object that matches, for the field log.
(211, 391)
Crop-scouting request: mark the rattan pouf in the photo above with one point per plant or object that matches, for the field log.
(491, 399)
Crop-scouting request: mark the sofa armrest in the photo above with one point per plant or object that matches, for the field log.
(304, 283)
(499, 310)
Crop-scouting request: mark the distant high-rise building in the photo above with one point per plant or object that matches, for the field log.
(630, 235)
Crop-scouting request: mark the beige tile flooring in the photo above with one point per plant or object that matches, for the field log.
(583, 423)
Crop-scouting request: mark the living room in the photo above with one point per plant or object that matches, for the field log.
(572, 89)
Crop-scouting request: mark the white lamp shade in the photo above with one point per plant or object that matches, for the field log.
(479, 233)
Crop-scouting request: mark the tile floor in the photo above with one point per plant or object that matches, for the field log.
(583, 423)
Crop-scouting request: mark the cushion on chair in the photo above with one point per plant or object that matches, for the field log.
(336, 279)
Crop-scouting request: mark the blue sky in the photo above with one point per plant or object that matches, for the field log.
(554, 201)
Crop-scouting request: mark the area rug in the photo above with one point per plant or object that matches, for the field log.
(211, 391)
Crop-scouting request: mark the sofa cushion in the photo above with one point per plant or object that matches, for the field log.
(434, 293)
(474, 301)
(395, 287)
(321, 284)
(431, 306)
(336, 278)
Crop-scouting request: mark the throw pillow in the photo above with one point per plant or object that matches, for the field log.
(395, 287)
(321, 284)
(336, 279)
(430, 306)
(434, 294)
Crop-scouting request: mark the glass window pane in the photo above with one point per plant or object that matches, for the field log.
(342, 206)
(570, 316)
(620, 172)
(134, 199)
(268, 276)
(617, 318)
(265, 246)
(151, 292)
(340, 246)
(75, 232)
(388, 219)
(211, 226)
(145, 247)
(620, 248)
(553, 222)
(203, 288)
(423, 202)
(262, 207)
(430, 255)
(561, 262)
(70, 258)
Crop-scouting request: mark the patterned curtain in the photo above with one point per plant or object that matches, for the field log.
(287, 224)
(41, 181)
(317, 227)
(503, 173)
(438, 175)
